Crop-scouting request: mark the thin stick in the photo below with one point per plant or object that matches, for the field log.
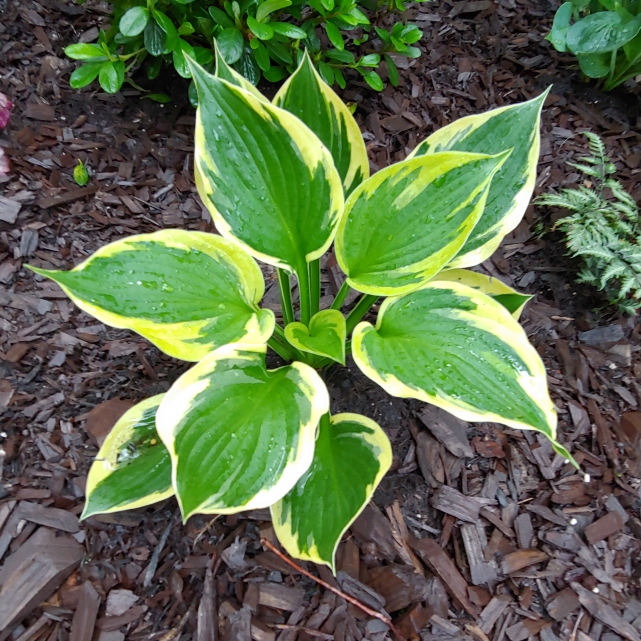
(373, 613)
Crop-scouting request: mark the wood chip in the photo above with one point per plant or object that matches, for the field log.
(482, 572)
(84, 619)
(9, 210)
(279, 596)
(399, 585)
(104, 416)
(607, 525)
(49, 516)
(451, 501)
(524, 530)
(448, 429)
(562, 604)
(521, 559)
(33, 573)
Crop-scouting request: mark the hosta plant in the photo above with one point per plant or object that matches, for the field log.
(259, 38)
(283, 180)
(604, 35)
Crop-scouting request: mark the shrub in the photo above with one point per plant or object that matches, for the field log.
(602, 229)
(259, 38)
(604, 35)
(283, 180)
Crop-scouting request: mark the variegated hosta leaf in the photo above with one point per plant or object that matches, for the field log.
(455, 347)
(514, 127)
(133, 468)
(351, 457)
(225, 72)
(187, 292)
(512, 300)
(268, 181)
(307, 96)
(325, 335)
(408, 221)
(239, 435)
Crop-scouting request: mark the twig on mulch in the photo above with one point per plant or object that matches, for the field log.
(153, 564)
(373, 613)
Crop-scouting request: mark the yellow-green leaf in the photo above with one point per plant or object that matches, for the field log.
(133, 468)
(351, 457)
(408, 221)
(225, 72)
(512, 300)
(187, 292)
(269, 182)
(325, 335)
(457, 348)
(308, 97)
(240, 435)
(513, 127)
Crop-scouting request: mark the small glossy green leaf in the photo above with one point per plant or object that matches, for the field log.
(595, 65)
(335, 36)
(249, 154)
(167, 25)
(111, 76)
(88, 52)
(259, 29)
(407, 222)
(512, 300)
(186, 29)
(133, 467)
(248, 66)
(560, 27)
(351, 457)
(374, 80)
(84, 75)
(601, 32)
(288, 30)
(220, 17)
(515, 126)
(239, 435)
(225, 72)
(154, 38)
(392, 71)
(134, 21)
(162, 98)
(309, 98)
(182, 49)
(268, 7)
(325, 335)
(231, 44)
(80, 174)
(187, 292)
(457, 348)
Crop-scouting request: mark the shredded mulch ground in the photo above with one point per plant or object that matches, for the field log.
(479, 532)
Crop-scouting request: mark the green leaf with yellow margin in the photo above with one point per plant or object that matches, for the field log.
(513, 127)
(408, 221)
(225, 72)
(351, 457)
(512, 300)
(268, 181)
(133, 468)
(240, 435)
(325, 335)
(455, 347)
(187, 292)
(311, 99)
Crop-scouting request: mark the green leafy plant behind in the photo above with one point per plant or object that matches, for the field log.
(602, 229)
(261, 38)
(283, 181)
(604, 35)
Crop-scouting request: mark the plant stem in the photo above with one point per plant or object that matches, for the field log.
(282, 350)
(613, 62)
(284, 286)
(341, 296)
(362, 307)
(304, 293)
(315, 286)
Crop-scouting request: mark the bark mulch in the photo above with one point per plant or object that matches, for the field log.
(479, 532)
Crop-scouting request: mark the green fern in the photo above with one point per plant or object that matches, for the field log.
(602, 229)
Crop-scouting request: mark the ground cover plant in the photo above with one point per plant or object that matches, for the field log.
(260, 39)
(282, 181)
(604, 35)
(602, 229)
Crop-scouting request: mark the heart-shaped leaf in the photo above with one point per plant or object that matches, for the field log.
(307, 96)
(325, 336)
(239, 435)
(408, 221)
(351, 457)
(457, 348)
(517, 127)
(269, 182)
(133, 468)
(601, 32)
(187, 292)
